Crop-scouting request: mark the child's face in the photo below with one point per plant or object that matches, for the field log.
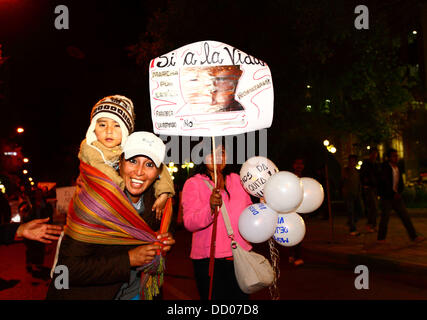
(108, 132)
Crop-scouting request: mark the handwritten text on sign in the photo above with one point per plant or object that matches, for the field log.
(209, 88)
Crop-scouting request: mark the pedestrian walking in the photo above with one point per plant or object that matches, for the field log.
(352, 194)
(369, 175)
(391, 188)
(295, 257)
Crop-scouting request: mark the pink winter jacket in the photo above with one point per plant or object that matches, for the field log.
(199, 220)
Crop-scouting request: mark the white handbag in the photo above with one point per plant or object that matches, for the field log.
(253, 271)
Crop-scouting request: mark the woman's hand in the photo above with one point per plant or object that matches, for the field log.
(166, 240)
(143, 254)
(215, 199)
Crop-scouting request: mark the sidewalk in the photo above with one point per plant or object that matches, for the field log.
(398, 254)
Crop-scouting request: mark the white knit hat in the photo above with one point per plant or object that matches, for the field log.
(117, 108)
(144, 143)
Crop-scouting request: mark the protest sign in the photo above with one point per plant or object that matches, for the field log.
(209, 88)
(63, 197)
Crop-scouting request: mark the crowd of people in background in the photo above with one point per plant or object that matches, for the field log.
(32, 206)
(375, 181)
(371, 191)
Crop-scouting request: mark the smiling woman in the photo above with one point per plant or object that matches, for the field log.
(140, 163)
(111, 247)
(138, 174)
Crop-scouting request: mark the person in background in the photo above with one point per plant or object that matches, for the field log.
(295, 252)
(352, 194)
(5, 209)
(369, 175)
(35, 250)
(37, 230)
(199, 204)
(390, 190)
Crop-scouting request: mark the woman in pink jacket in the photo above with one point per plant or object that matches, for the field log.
(198, 203)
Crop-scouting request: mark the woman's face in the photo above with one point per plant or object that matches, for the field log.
(138, 174)
(220, 158)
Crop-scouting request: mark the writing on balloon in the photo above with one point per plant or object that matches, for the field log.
(256, 185)
(259, 182)
(281, 240)
(281, 220)
(254, 211)
(282, 230)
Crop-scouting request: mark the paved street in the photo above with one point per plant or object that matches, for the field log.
(396, 270)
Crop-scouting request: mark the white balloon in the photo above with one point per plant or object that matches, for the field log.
(313, 195)
(254, 173)
(257, 223)
(283, 192)
(290, 229)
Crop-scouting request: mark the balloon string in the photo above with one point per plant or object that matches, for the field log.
(275, 259)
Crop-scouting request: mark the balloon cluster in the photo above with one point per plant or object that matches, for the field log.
(286, 196)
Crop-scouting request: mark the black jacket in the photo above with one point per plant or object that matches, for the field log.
(7, 232)
(369, 174)
(386, 182)
(96, 272)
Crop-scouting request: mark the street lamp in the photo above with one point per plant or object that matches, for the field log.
(329, 146)
(20, 130)
(187, 165)
(24, 171)
(26, 160)
(172, 168)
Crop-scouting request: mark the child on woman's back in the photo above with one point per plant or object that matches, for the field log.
(112, 120)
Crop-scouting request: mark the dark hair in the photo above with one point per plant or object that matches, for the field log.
(299, 158)
(228, 169)
(390, 151)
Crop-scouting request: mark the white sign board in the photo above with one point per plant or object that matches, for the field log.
(209, 88)
(63, 197)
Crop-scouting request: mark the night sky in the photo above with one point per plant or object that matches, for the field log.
(54, 77)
